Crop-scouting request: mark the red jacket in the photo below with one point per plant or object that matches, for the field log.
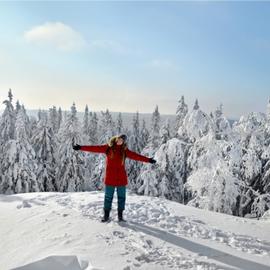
(115, 174)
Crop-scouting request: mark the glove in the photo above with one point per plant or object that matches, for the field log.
(76, 147)
(152, 161)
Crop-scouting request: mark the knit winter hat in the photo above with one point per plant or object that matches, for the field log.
(123, 137)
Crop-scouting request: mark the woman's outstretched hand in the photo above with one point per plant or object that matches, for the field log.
(152, 161)
(76, 147)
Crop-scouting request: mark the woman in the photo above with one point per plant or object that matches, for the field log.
(115, 175)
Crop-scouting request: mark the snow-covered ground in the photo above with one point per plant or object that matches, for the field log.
(58, 231)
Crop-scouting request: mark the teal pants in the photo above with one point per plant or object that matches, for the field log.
(121, 197)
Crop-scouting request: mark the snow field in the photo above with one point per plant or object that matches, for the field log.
(57, 228)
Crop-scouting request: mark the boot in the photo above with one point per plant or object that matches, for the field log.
(106, 216)
(120, 215)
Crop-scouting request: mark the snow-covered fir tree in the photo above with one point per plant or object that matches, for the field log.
(7, 132)
(181, 112)
(53, 119)
(93, 129)
(196, 124)
(171, 158)
(135, 144)
(149, 180)
(222, 125)
(209, 173)
(260, 205)
(7, 124)
(86, 123)
(119, 124)
(154, 140)
(70, 169)
(106, 127)
(27, 122)
(59, 118)
(18, 107)
(165, 134)
(19, 165)
(44, 143)
(155, 129)
(144, 134)
(214, 189)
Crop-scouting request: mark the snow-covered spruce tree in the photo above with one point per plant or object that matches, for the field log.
(59, 118)
(106, 127)
(216, 188)
(144, 134)
(119, 124)
(32, 125)
(249, 134)
(93, 129)
(206, 159)
(165, 132)
(210, 173)
(70, 174)
(53, 119)
(260, 205)
(154, 140)
(142, 184)
(149, 182)
(167, 179)
(181, 112)
(222, 125)
(19, 164)
(94, 164)
(171, 158)
(96, 171)
(135, 144)
(196, 124)
(7, 132)
(86, 123)
(18, 107)
(7, 124)
(266, 169)
(44, 143)
(155, 129)
(252, 142)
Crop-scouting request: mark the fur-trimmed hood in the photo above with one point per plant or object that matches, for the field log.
(112, 141)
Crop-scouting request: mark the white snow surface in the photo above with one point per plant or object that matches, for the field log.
(58, 231)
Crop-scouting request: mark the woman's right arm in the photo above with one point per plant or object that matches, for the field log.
(94, 148)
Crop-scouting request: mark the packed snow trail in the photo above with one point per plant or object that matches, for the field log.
(64, 230)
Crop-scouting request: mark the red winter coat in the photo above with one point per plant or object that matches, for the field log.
(115, 174)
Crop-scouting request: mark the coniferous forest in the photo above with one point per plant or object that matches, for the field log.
(202, 160)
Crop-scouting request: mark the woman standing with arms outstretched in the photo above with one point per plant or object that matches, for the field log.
(116, 152)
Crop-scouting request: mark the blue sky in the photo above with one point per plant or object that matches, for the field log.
(130, 56)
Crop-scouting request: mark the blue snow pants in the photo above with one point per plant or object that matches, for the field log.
(121, 197)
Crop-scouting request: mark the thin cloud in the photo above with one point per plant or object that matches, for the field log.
(159, 63)
(55, 34)
(110, 45)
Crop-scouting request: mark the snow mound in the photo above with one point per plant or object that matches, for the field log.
(72, 262)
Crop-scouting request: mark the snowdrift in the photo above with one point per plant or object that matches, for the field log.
(63, 231)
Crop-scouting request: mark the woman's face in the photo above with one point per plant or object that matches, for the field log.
(119, 141)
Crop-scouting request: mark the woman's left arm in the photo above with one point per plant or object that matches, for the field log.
(136, 156)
